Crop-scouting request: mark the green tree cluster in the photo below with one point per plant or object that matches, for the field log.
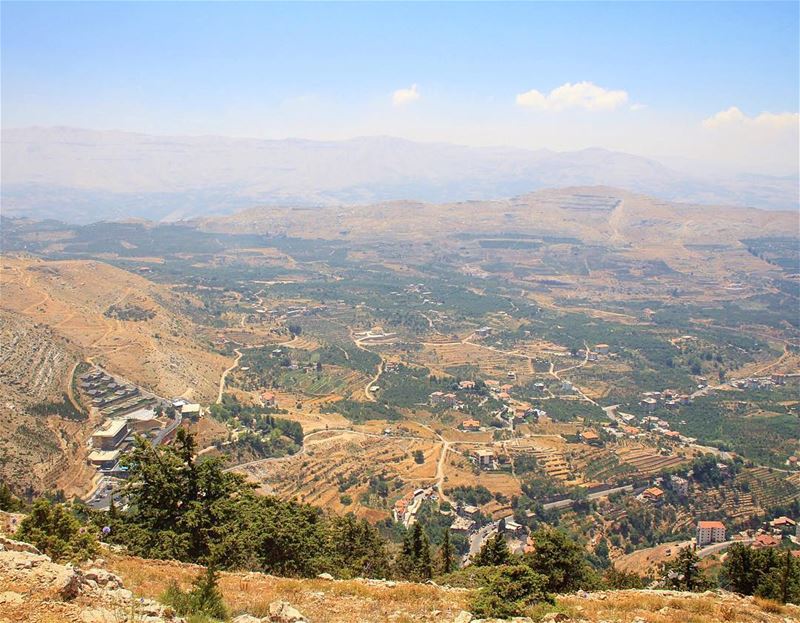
(194, 511)
(770, 572)
(415, 561)
(56, 532)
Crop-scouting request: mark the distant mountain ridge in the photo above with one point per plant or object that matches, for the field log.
(86, 175)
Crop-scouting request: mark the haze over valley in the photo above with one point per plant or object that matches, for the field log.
(83, 175)
(509, 332)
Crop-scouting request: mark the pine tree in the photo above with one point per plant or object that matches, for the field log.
(205, 596)
(424, 563)
(684, 572)
(447, 554)
(494, 552)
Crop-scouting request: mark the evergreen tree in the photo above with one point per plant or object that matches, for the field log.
(766, 573)
(684, 572)
(55, 531)
(560, 559)
(447, 554)
(8, 501)
(494, 552)
(205, 596)
(415, 558)
(510, 592)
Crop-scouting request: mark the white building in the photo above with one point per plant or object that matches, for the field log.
(710, 532)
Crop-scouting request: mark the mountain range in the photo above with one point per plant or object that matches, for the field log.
(82, 175)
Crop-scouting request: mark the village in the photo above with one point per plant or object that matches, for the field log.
(127, 411)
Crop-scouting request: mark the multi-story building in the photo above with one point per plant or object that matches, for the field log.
(710, 532)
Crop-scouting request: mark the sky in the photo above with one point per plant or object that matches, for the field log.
(713, 83)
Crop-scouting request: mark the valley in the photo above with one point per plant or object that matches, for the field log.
(570, 356)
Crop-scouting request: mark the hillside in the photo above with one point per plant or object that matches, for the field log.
(37, 450)
(84, 175)
(118, 319)
(640, 226)
(122, 588)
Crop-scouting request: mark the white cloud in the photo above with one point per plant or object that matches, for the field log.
(735, 118)
(582, 95)
(635, 107)
(401, 97)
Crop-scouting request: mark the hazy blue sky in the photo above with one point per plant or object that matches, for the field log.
(650, 78)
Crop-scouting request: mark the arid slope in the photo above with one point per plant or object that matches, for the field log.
(94, 304)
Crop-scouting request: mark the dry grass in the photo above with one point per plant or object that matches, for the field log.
(668, 607)
(320, 600)
(354, 601)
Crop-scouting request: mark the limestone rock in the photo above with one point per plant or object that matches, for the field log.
(284, 612)
(11, 545)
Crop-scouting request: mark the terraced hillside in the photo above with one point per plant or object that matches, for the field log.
(121, 321)
(42, 429)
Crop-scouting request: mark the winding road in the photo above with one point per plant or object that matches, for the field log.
(225, 375)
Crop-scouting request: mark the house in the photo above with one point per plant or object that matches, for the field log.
(784, 525)
(440, 398)
(466, 385)
(111, 435)
(649, 404)
(462, 525)
(515, 529)
(104, 459)
(602, 349)
(566, 386)
(483, 332)
(142, 420)
(654, 494)
(710, 532)
(679, 485)
(765, 540)
(485, 458)
(191, 411)
(268, 398)
(472, 425)
(469, 511)
(590, 437)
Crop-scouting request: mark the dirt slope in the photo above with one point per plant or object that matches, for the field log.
(38, 450)
(93, 305)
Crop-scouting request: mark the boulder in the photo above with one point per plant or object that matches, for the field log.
(11, 545)
(246, 618)
(463, 617)
(102, 577)
(325, 576)
(284, 612)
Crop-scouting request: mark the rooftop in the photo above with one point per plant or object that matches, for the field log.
(110, 429)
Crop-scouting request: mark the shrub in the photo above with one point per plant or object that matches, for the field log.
(510, 591)
(203, 599)
(56, 532)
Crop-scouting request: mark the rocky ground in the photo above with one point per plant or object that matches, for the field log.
(34, 588)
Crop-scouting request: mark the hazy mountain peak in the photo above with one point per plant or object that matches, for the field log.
(78, 174)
